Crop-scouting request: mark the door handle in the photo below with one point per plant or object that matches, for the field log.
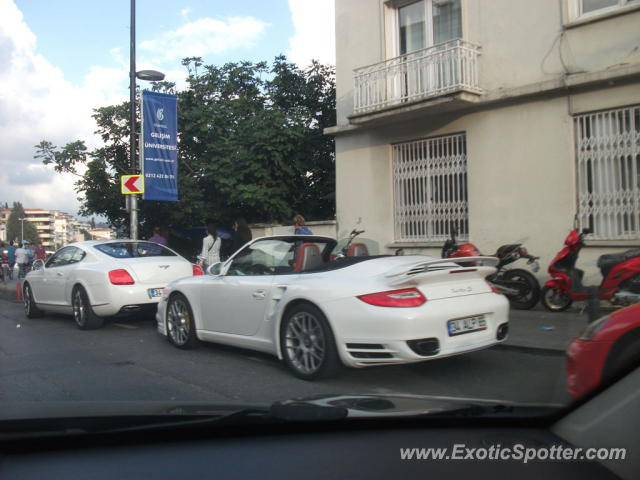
(259, 294)
(59, 274)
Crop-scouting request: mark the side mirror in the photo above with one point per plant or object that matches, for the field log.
(38, 265)
(214, 269)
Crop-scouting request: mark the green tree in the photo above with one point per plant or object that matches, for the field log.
(14, 226)
(250, 144)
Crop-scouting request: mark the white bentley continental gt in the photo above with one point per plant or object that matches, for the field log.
(291, 297)
(97, 279)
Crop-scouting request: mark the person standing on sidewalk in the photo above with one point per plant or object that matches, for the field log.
(41, 253)
(22, 259)
(299, 227)
(242, 234)
(11, 257)
(210, 248)
(158, 236)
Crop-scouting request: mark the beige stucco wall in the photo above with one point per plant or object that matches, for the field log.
(523, 42)
(521, 158)
(521, 182)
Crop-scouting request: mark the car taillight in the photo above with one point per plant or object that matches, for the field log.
(407, 297)
(197, 270)
(120, 277)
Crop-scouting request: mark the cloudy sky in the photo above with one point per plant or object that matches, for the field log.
(60, 59)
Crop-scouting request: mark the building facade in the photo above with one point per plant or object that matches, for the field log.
(507, 119)
(4, 218)
(102, 234)
(63, 229)
(44, 221)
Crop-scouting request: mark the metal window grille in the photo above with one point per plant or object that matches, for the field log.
(430, 188)
(608, 165)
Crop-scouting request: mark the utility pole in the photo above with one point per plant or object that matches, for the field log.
(133, 158)
(22, 230)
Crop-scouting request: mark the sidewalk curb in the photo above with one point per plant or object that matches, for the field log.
(554, 352)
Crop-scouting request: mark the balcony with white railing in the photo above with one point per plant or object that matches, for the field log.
(424, 74)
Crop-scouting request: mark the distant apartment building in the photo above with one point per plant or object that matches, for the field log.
(55, 228)
(44, 221)
(79, 230)
(63, 229)
(102, 234)
(4, 218)
(505, 118)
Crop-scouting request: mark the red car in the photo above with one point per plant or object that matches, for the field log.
(607, 349)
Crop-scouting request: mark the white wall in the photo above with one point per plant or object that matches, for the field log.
(523, 42)
(521, 165)
(521, 157)
(326, 228)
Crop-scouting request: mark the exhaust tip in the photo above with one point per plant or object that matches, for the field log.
(503, 331)
(425, 347)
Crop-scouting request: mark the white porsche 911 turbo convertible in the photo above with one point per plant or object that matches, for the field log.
(97, 279)
(289, 296)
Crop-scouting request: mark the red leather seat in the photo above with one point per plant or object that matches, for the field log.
(308, 257)
(358, 250)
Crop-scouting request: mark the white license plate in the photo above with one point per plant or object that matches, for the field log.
(155, 292)
(466, 325)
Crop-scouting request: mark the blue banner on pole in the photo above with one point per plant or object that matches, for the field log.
(159, 146)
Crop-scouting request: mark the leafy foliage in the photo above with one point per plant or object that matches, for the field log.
(14, 226)
(250, 144)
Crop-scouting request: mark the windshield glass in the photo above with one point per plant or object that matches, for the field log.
(281, 256)
(134, 250)
(356, 247)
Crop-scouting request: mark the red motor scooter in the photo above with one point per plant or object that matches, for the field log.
(620, 277)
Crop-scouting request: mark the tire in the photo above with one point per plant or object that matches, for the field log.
(554, 301)
(307, 343)
(31, 309)
(83, 313)
(180, 323)
(529, 291)
(623, 357)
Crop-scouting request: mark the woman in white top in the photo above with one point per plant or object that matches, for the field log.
(210, 247)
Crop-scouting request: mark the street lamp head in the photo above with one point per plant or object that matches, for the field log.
(150, 75)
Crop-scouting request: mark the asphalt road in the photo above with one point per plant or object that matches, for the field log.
(49, 359)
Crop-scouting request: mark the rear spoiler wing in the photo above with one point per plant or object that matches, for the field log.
(484, 265)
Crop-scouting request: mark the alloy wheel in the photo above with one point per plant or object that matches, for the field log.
(305, 343)
(79, 308)
(27, 300)
(179, 321)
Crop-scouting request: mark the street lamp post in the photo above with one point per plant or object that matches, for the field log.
(150, 75)
(22, 229)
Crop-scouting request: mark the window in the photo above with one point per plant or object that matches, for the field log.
(77, 256)
(428, 22)
(282, 256)
(608, 166)
(430, 188)
(134, 250)
(61, 257)
(264, 257)
(595, 7)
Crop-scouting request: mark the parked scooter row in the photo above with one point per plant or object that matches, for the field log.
(520, 286)
(620, 272)
(620, 276)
